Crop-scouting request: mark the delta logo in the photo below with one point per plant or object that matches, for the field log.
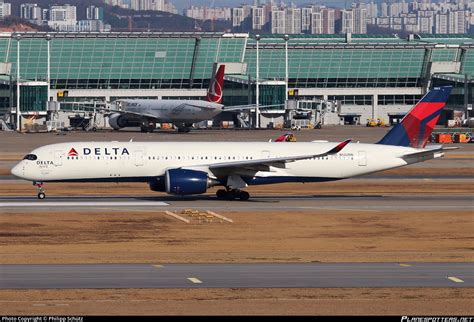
(72, 153)
(99, 151)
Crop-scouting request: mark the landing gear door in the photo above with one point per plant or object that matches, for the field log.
(362, 158)
(58, 158)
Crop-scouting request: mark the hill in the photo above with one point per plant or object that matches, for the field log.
(130, 20)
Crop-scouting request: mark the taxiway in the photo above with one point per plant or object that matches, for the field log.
(269, 275)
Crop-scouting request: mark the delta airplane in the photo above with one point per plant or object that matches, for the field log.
(183, 113)
(188, 168)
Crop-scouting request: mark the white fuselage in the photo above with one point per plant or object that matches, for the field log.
(143, 161)
(170, 110)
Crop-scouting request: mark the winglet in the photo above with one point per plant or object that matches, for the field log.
(339, 147)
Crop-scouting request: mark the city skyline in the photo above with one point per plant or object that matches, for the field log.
(276, 17)
(184, 4)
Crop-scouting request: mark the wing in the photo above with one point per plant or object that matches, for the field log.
(137, 114)
(262, 164)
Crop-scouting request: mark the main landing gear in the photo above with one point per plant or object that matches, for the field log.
(231, 194)
(147, 127)
(41, 192)
(184, 129)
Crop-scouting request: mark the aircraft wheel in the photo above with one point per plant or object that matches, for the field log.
(232, 195)
(244, 195)
(41, 195)
(221, 194)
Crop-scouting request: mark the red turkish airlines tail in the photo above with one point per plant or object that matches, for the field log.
(214, 93)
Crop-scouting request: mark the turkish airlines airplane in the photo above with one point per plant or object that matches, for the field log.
(187, 168)
(183, 113)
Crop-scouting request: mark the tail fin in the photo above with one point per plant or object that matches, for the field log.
(416, 127)
(214, 93)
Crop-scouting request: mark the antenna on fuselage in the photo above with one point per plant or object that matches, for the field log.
(131, 140)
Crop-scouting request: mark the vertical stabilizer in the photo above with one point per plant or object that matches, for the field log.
(416, 127)
(214, 93)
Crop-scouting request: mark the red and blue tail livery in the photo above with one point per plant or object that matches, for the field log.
(416, 127)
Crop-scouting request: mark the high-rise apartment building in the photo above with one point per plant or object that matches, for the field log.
(354, 21)
(30, 11)
(293, 21)
(278, 24)
(5, 9)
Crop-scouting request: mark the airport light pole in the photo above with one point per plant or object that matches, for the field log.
(286, 38)
(18, 38)
(48, 72)
(257, 76)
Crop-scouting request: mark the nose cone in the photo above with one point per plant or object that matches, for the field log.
(17, 170)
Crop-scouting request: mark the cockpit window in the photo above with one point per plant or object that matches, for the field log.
(31, 157)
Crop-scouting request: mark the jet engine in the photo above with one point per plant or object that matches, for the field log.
(187, 182)
(158, 184)
(117, 121)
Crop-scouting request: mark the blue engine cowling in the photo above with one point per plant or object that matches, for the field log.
(186, 182)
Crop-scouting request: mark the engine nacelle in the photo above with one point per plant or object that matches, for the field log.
(117, 121)
(158, 184)
(186, 182)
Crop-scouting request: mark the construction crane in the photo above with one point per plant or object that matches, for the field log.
(213, 16)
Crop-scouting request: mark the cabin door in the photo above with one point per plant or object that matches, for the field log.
(362, 158)
(139, 157)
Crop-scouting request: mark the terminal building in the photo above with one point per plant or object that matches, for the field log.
(347, 79)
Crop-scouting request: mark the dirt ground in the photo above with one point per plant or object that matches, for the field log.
(393, 301)
(152, 237)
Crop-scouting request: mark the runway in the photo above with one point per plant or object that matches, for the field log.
(261, 202)
(302, 275)
(74, 203)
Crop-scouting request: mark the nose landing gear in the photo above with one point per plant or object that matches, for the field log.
(41, 192)
(231, 194)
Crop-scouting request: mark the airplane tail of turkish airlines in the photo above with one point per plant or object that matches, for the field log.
(214, 93)
(416, 127)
